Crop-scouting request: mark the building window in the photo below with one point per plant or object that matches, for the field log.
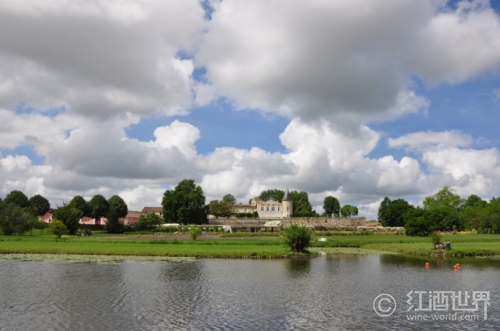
(245, 210)
(262, 208)
(267, 208)
(272, 208)
(287, 208)
(278, 208)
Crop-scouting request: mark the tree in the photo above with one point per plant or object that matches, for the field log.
(98, 206)
(444, 218)
(185, 204)
(220, 208)
(118, 205)
(417, 223)
(272, 194)
(229, 198)
(443, 209)
(301, 205)
(39, 205)
(348, 211)
(331, 205)
(69, 216)
(17, 198)
(113, 224)
(58, 228)
(81, 204)
(394, 213)
(14, 220)
(445, 197)
(474, 201)
(382, 210)
(148, 222)
(298, 237)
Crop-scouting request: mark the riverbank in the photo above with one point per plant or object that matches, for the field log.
(244, 245)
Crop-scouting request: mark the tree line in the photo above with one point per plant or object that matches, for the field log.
(185, 204)
(18, 214)
(443, 211)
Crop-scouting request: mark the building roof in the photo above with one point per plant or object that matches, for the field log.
(287, 196)
(148, 210)
(134, 214)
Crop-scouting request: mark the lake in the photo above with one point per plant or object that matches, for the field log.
(330, 292)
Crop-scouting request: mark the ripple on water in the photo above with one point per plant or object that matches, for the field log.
(326, 293)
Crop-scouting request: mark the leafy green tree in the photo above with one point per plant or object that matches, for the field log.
(490, 217)
(331, 205)
(445, 197)
(98, 206)
(444, 218)
(443, 210)
(15, 220)
(113, 224)
(394, 213)
(17, 198)
(39, 205)
(229, 198)
(417, 223)
(148, 222)
(275, 194)
(348, 211)
(69, 216)
(220, 208)
(185, 204)
(382, 210)
(118, 205)
(474, 201)
(81, 204)
(301, 205)
(298, 237)
(58, 228)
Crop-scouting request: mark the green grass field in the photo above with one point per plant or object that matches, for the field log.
(242, 245)
(469, 245)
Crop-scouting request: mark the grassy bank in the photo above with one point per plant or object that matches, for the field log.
(242, 245)
(462, 245)
(143, 246)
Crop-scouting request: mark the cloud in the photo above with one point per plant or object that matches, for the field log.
(347, 62)
(331, 67)
(99, 58)
(454, 46)
(427, 140)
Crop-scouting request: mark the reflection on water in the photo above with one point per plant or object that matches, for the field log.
(297, 268)
(332, 292)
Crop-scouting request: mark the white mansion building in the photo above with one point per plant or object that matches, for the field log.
(268, 209)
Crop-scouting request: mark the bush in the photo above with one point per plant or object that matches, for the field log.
(436, 238)
(298, 237)
(247, 215)
(58, 228)
(39, 225)
(419, 226)
(195, 232)
(148, 222)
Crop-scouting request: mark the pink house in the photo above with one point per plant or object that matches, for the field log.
(92, 221)
(47, 218)
(131, 218)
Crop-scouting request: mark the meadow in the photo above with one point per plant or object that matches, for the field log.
(244, 245)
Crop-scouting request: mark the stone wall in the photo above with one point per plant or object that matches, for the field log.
(310, 221)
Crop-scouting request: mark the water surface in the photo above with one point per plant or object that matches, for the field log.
(331, 292)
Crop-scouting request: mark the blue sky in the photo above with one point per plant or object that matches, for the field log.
(359, 100)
